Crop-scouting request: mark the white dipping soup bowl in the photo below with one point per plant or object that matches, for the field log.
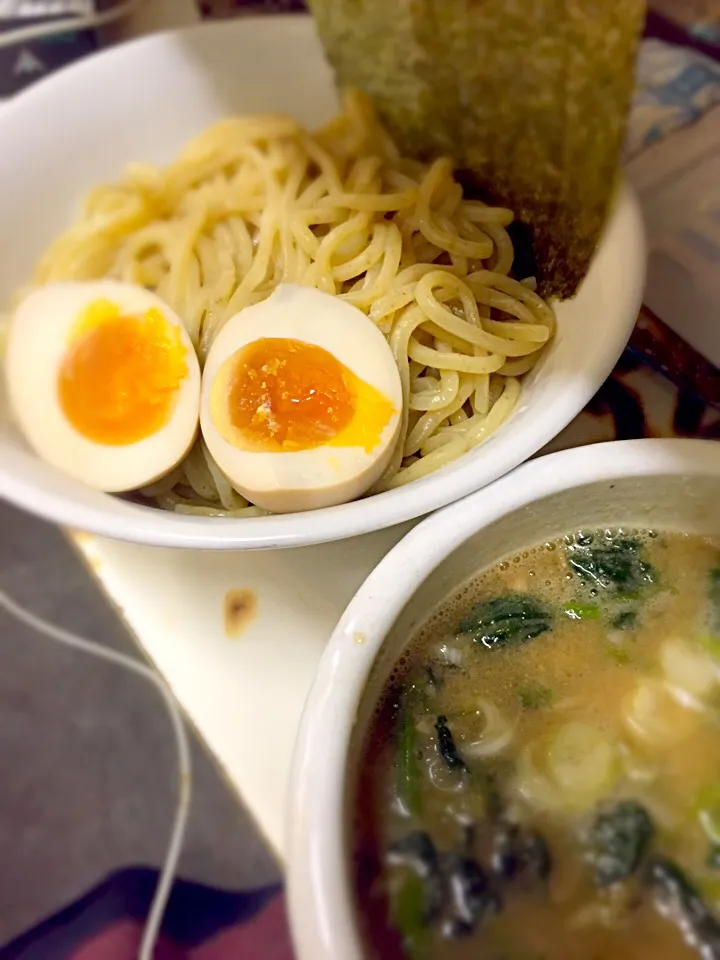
(659, 484)
(143, 101)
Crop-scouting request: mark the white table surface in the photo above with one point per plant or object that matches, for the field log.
(243, 694)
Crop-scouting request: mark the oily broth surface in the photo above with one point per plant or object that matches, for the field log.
(589, 682)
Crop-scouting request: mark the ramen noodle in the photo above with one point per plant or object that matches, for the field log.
(257, 201)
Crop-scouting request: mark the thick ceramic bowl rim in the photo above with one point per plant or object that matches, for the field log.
(290, 43)
(320, 898)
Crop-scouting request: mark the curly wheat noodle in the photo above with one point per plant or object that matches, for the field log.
(258, 201)
(177, 834)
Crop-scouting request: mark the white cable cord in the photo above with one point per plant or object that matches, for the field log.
(162, 891)
(62, 25)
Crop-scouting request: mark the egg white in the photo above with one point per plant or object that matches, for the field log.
(37, 344)
(324, 475)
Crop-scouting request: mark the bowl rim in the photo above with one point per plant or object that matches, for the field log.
(319, 895)
(147, 525)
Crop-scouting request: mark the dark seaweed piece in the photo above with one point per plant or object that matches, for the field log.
(535, 856)
(505, 859)
(506, 855)
(625, 620)
(677, 900)
(468, 836)
(618, 839)
(452, 888)
(446, 745)
(470, 897)
(616, 564)
(418, 853)
(455, 78)
(515, 618)
(515, 851)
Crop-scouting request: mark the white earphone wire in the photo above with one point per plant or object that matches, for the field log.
(75, 642)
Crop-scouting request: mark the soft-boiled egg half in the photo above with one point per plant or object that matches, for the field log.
(301, 401)
(104, 382)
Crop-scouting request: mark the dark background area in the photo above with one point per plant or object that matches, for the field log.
(87, 756)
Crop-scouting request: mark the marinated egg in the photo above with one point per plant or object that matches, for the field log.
(301, 401)
(104, 382)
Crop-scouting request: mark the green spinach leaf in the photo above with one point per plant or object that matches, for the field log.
(535, 696)
(616, 564)
(581, 611)
(409, 778)
(625, 620)
(514, 618)
(408, 916)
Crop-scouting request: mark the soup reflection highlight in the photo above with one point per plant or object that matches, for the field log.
(542, 775)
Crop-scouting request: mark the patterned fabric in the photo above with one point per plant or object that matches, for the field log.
(660, 387)
(201, 923)
(676, 85)
(701, 18)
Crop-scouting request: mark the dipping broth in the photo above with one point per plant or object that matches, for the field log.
(541, 779)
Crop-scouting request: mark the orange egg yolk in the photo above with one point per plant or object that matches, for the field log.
(119, 378)
(283, 395)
